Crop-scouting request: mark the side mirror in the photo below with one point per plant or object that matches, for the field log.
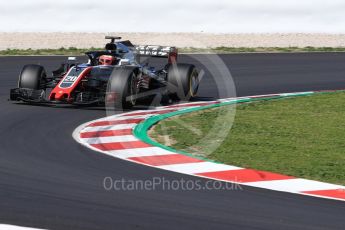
(124, 62)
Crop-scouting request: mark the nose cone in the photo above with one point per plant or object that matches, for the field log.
(59, 96)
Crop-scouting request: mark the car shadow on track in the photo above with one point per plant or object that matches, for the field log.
(102, 107)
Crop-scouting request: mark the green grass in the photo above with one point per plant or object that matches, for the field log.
(223, 49)
(218, 50)
(60, 51)
(302, 137)
(281, 49)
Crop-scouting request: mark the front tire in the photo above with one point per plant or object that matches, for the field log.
(32, 77)
(122, 88)
(183, 81)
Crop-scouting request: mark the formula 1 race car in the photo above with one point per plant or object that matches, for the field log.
(115, 76)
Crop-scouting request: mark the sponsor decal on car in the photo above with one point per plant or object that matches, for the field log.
(70, 78)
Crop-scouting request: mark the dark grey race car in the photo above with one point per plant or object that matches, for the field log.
(115, 76)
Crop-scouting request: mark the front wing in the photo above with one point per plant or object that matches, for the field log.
(39, 97)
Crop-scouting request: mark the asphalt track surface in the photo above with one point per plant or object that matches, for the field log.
(47, 180)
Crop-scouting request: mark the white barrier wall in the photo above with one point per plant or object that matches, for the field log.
(217, 16)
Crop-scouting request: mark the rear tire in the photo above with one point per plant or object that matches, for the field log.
(32, 77)
(123, 87)
(183, 81)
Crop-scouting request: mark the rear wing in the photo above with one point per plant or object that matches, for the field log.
(169, 52)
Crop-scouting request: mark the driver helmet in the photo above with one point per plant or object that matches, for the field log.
(106, 60)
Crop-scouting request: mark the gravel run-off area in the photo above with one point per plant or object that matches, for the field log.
(197, 40)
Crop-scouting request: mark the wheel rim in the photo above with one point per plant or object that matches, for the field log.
(133, 90)
(193, 83)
